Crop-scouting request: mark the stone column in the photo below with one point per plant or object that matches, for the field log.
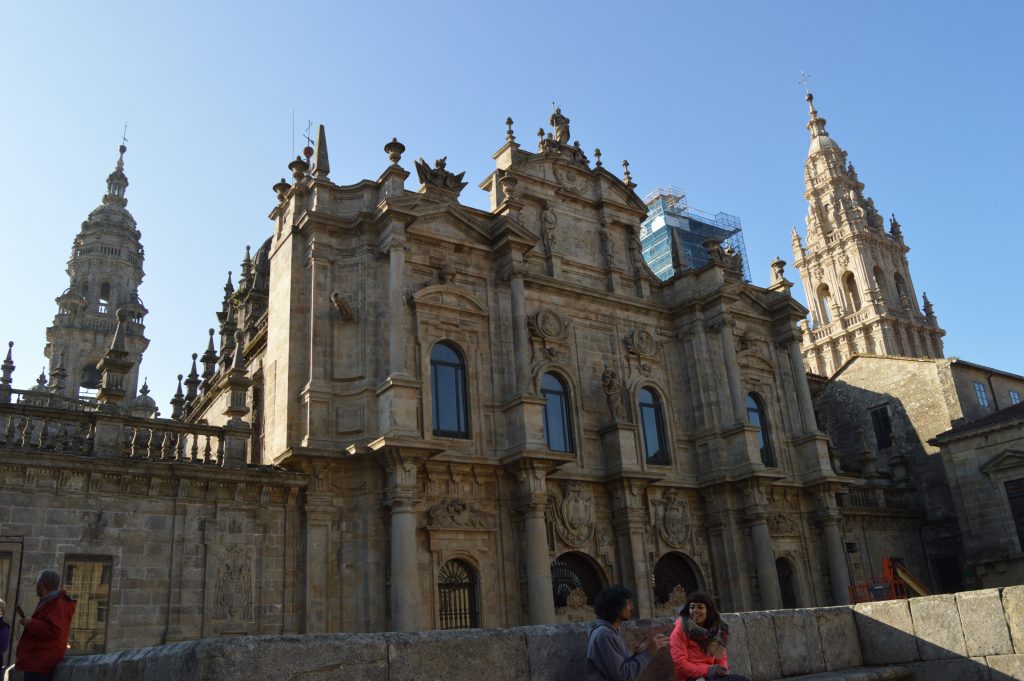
(531, 476)
(764, 561)
(629, 518)
(835, 549)
(398, 337)
(402, 495)
(732, 369)
(520, 333)
(803, 390)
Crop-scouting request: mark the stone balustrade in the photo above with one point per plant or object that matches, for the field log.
(977, 635)
(26, 426)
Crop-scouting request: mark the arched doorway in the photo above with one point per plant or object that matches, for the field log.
(787, 582)
(675, 577)
(575, 581)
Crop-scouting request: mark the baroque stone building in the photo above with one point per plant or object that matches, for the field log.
(417, 414)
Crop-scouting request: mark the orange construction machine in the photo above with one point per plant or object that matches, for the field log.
(896, 582)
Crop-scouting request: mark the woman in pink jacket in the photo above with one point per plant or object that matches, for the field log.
(698, 642)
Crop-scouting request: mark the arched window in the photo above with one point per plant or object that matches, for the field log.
(825, 304)
(759, 419)
(853, 296)
(786, 582)
(104, 302)
(456, 591)
(653, 423)
(557, 419)
(448, 390)
(573, 576)
(674, 579)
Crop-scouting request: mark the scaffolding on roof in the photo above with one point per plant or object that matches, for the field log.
(667, 207)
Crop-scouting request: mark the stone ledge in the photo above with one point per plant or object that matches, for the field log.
(891, 673)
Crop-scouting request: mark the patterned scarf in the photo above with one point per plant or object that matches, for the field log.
(712, 641)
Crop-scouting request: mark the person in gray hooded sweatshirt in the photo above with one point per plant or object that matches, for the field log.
(607, 656)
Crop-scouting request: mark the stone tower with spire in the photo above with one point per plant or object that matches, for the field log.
(105, 270)
(855, 273)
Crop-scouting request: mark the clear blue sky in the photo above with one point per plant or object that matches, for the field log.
(925, 97)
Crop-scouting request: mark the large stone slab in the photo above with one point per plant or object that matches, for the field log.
(886, 632)
(1005, 667)
(360, 657)
(890, 673)
(492, 654)
(984, 622)
(162, 663)
(838, 634)
(761, 646)
(1013, 608)
(797, 642)
(556, 652)
(937, 626)
(972, 669)
(738, 648)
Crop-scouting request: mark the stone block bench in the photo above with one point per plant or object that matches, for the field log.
(970, 636)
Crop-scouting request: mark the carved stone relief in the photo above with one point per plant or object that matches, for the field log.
(548, 331)
(673, 519)
(234, 584)
(572, 181)
(457, 513)
(574, 514)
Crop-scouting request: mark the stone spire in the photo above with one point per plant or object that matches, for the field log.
(321, 164)
(114, 367)
(104, 275)
(6, 373)
(851, 268)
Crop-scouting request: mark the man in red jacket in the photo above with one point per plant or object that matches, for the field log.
(44, 639)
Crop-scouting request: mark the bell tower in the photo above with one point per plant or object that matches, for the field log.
(855, 273)
(105, 271)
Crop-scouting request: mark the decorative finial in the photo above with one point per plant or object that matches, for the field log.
(510, 136)
(281, 189)
(298, 168)
(626, 177)
(540, 139)
(117, 181)
(145, 386)
(394, 149)
(597, 158)
(894, 227)
(508, 186)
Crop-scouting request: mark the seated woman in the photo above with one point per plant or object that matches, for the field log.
(698, 642)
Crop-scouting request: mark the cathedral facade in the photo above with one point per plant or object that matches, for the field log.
(417, 414)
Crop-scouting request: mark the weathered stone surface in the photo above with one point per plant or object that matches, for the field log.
(361, 657)
(761, 645)
(738, 649)
(1013, 608)
(838, 633)
(890, 673)
(972, 669)
(1005, 667)
(493, 654)
(556, 652)
(984, 623)
(886, 632)
(937, 626)
(798, 642)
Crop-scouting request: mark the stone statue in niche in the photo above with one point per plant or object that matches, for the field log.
(614, 392)
(636, 254)
(607, 246)
(548, 223)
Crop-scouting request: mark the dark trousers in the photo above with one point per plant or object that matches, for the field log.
(35, 676)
